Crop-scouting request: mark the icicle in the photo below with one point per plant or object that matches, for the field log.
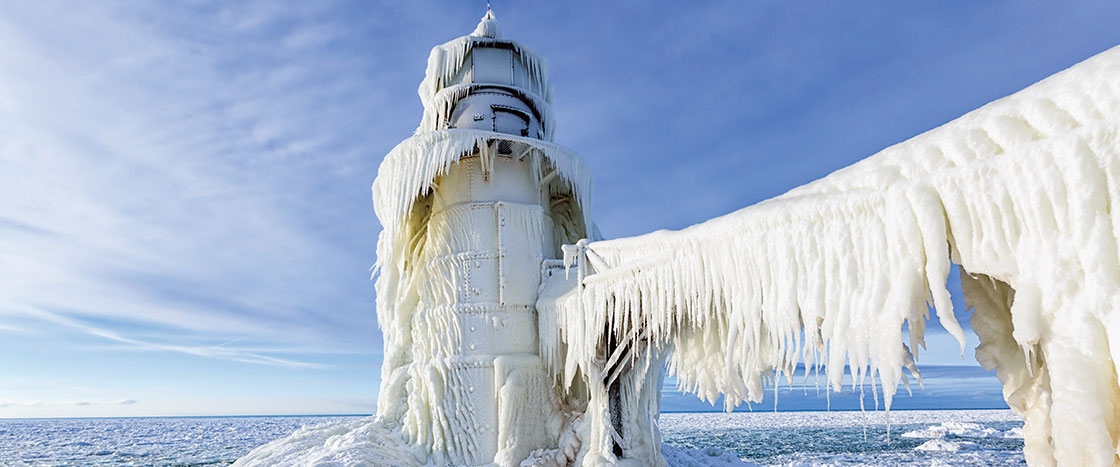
(888, 415)
(409, 169)
(854, 258)
(447, 60)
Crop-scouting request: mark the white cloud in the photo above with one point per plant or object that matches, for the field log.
(14, 329)
(78, 403)
(214, 351)
(167, 171)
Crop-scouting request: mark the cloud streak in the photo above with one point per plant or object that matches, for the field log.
(163, 179)
(220, 351)
(82, 403)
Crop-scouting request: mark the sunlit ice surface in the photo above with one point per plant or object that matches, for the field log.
(954, 437)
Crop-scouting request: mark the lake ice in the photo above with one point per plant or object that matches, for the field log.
(953, 437)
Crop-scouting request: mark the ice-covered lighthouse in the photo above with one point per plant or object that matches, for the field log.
(494, 354)
(472, 206)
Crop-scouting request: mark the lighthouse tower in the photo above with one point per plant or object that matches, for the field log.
(471, 207)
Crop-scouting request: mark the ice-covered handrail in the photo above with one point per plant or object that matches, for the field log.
(1019, 193)
(739, 288)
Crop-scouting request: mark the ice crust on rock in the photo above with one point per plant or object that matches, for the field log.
(1019, 193)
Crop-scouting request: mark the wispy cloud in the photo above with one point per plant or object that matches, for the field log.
(214, 351)
(9, 328)
(80, 403)
(155, 175)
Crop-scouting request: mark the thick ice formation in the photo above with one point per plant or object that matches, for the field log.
(1018, 192)
(447, 65)
(481, 365)
(470, 206)
(362, 442)
(421, 255)
(470, 210)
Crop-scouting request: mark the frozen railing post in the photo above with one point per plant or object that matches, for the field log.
(621, 368)
(614, 394)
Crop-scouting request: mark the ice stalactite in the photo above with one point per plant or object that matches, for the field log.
(729, 298)
(1019, 193)
(411, 168)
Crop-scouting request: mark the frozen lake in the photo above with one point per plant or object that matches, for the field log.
(922, 437)
(953, 437)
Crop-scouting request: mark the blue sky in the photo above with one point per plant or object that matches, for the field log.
(185, 215)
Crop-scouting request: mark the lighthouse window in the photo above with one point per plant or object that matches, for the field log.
(492, 65)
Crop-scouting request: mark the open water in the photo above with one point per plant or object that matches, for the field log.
(942, 437)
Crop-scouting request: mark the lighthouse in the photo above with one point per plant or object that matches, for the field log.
(498, 353)
(473, 205)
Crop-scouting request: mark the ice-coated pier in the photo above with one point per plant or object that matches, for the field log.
(514, 335)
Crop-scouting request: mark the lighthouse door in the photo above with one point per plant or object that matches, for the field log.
(510, 120)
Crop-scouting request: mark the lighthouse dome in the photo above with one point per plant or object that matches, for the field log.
(483, 81)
